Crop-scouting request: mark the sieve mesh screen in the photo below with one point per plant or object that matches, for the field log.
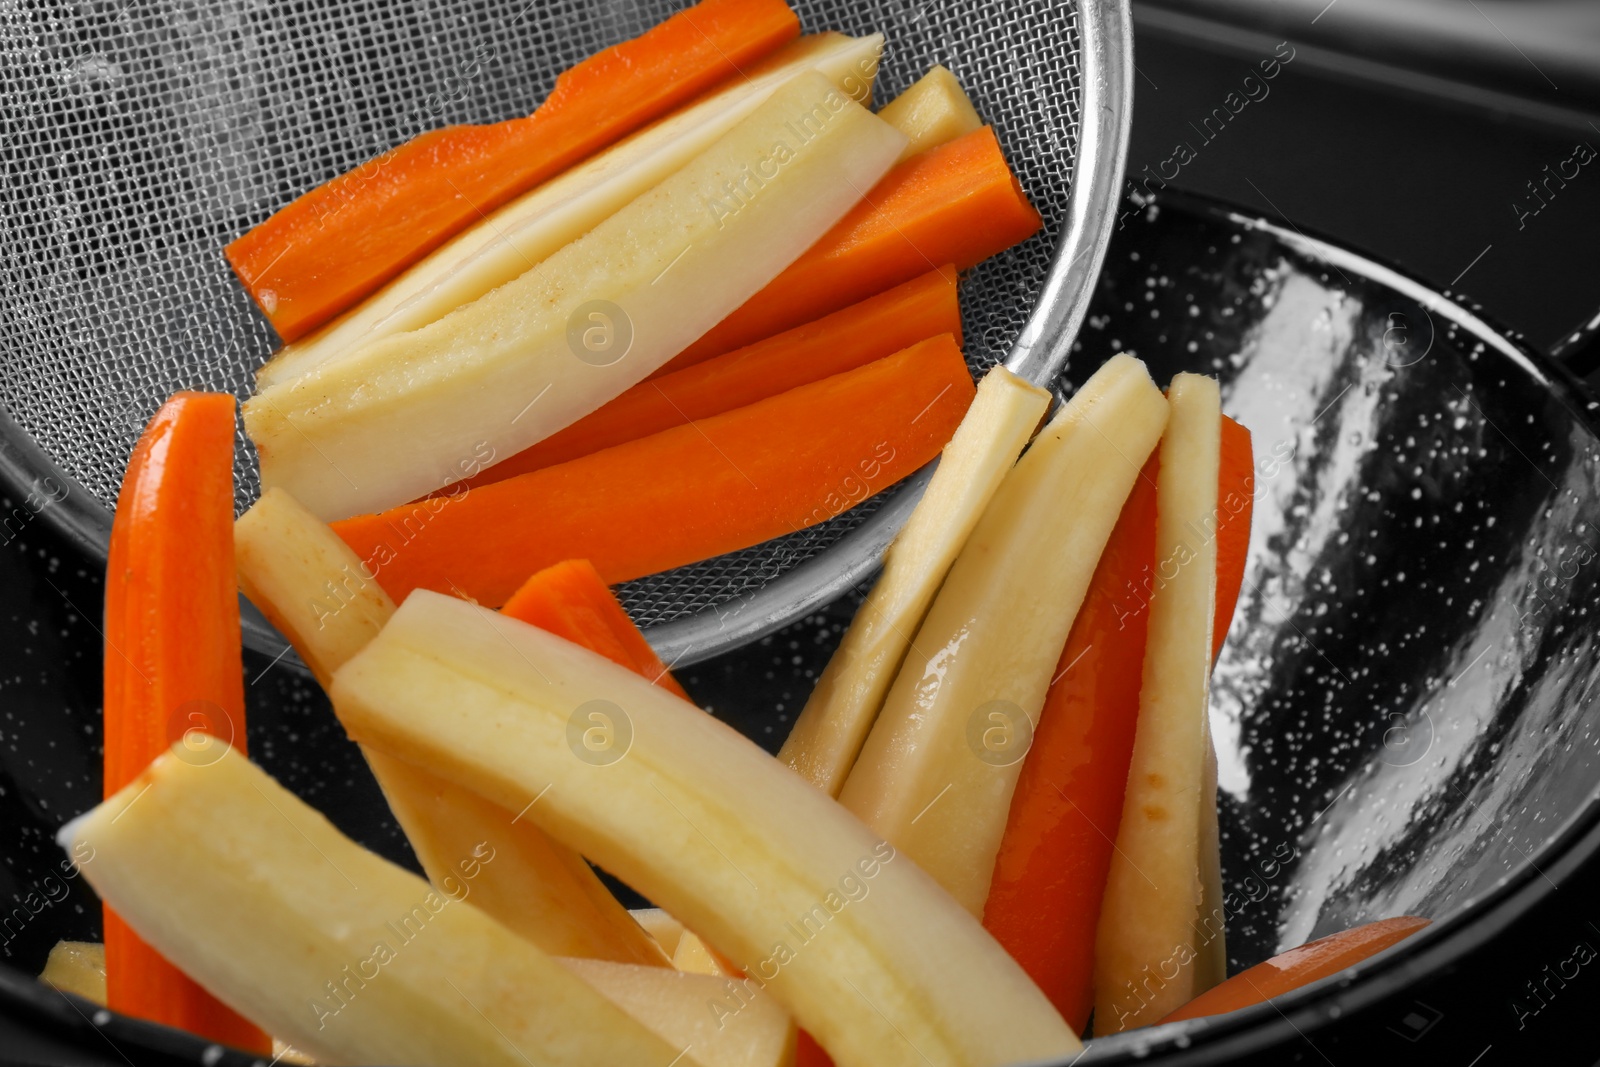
(137, 139)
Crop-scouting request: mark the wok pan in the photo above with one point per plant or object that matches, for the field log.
(1405, 711)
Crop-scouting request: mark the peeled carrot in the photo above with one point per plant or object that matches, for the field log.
(957, 203)
(1299, 966)
(684, 494)
(172, 661)
(1050, 874)
(1236, 485)
(807, 1053)
(570, 601)
(878, 326)
(339, 242)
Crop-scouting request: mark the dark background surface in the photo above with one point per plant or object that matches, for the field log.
(1381, 139)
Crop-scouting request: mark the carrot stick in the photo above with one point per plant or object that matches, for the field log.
(957, 203)
(1050, 874)
(339, 242)
(684, 494)
(172, 661)
(570, 601)
(1299, 967)
(877, 327)
(1236, 495)
(807, 1053)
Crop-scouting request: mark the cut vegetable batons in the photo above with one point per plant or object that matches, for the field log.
(529, 229)
(721, 1022)
(315, 590)
(332, 948)
(1151, 918)
(937, 771)
(830, 730)
(858, 945)
(402, 416)
(934, 110)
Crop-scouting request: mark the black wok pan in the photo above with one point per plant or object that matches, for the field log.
(1405, 711)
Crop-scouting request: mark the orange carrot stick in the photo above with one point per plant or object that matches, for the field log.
(339, 242)
(1050, 874)
(1236, 495)
(684, 494)
(570, 601)
(957, 203)
(1299, 966)
(879, 326)
(172, 661)
(807, 1053)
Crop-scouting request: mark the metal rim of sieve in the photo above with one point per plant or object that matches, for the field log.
(1102, 119)
(1040, 353)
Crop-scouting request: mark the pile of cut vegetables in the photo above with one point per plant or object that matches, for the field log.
(700, 298)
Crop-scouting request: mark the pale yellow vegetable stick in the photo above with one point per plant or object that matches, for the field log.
(526, 231)
(537, 888)
(722, 1022)
(861, 947)
(829, 731)
(308, 583)
(931, 112)
(414, 412)
(326, 945)
(936, 774)
(1145, 951)
(694, 957)
(1211, 933)
(661, 926)
(317, 592)
(77, 967)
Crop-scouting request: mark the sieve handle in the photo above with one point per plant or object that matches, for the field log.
(1106, 51)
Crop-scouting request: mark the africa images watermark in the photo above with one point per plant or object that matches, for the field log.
(1136, 598)
(1542, 191)
(852, 490)
(343, 988)
(1155, 977)
(1543, 987)
(46, 894)
(852, 887)
(1253, 88)
(1545, 587)
(354, 579)
(15, 520)
(739, 191)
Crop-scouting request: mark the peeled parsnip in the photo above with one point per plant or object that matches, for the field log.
(401, 417)
(77, 967)
(720, 1021)
(1150, 919)
(529, 229)
(829, 731)
(862, 949)
(936, 774)
(658, 924)
(693, 956)
(934, 110)
(307, 582)
(316, 591)
(540, 889)
(1211, 933)
(326, 945)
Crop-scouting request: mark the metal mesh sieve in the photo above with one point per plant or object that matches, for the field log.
(137, 139)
